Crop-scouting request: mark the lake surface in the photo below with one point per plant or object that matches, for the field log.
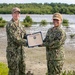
(36, 28)
(38, 18)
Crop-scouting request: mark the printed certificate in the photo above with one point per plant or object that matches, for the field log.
(34, 39)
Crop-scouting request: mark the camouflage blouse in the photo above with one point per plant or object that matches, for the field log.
(15, 34)
(54, 41)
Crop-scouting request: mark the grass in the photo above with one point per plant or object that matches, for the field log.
(3, 69)
(67, 73)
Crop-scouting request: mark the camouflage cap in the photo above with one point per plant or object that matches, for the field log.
(57, 16)
(16, 9)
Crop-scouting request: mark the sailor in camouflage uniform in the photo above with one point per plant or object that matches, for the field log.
(15, 42)
(54, 41)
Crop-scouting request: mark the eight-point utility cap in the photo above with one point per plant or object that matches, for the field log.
(16, 9)
(57, 16)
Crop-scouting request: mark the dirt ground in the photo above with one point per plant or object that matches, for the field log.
(36, 57)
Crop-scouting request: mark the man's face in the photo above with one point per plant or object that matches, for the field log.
(15, 16)
(57, 22)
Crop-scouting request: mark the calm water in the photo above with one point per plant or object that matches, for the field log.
(38, 18)
(48, 18)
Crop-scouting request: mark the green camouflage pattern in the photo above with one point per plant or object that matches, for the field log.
(54, 67)
(54, 41)
(15, 52)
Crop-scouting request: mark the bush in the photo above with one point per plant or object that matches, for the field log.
(27, 24)
(1, 18)
(43, 23)
(2, 22)
(65, 22)
(3, 69)
(27, 21)
(72, 35)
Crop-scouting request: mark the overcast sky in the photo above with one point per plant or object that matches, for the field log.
(38, 1)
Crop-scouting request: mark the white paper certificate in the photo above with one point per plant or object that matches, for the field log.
(34, 39)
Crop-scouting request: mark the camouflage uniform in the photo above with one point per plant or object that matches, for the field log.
(15, 52)
(54, 41)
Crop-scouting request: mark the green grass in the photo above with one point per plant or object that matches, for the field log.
(3, 69)
(67, 73)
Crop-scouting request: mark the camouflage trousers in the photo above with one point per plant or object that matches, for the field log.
(15, 59)
(54, 67)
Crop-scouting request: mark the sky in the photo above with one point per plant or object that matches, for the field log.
(38, 1)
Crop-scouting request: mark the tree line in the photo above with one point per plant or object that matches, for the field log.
(39, 8)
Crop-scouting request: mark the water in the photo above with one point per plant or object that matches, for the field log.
(70, 30)
(36, 28)
(38, 18)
